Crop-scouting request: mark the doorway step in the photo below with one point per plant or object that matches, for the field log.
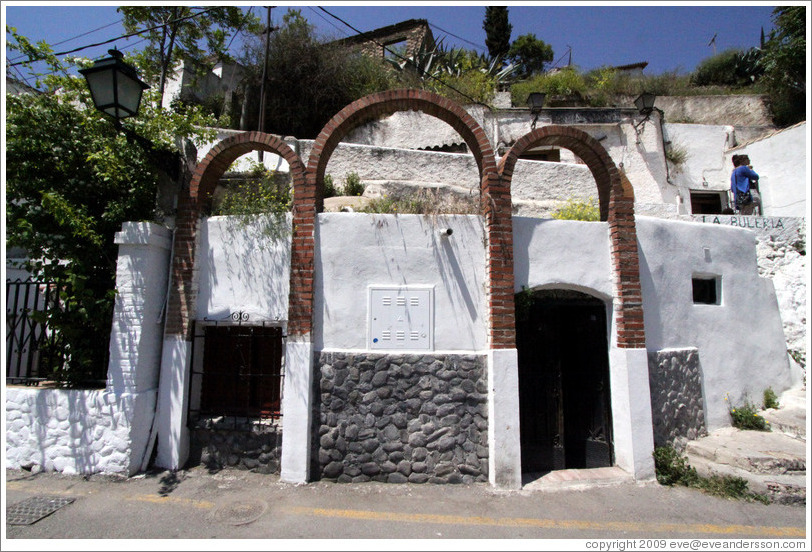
(772, 462)
(576, 479)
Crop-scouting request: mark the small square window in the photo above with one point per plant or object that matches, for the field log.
(706, 290)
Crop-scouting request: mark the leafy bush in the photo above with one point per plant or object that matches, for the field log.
(578, 209)
(329, 186)
(421, 202)
(352, 185)
(673, 469)
(747, 417)
(565, 82)
(262, 193)
(729, 68)
(770, 398)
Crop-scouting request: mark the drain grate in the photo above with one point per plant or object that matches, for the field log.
(33, 509)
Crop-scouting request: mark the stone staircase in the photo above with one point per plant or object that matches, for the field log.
(773, 463)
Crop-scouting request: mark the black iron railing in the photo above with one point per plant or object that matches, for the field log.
(31, 347)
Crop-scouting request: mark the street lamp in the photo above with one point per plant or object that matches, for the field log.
(535, 101)
(116, 91)
(645, 103)
(114, 86)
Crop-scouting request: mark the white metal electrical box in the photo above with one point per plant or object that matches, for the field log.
(401, 317)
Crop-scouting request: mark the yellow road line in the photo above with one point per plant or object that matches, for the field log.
(157, 499)
(739, 530)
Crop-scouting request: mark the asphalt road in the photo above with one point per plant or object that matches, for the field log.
(231, 504)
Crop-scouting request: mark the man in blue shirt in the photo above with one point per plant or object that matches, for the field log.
(740, 185)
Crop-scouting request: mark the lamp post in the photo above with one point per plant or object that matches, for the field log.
(116, 90)
(115, 87)
(535, 101)
(645, 105)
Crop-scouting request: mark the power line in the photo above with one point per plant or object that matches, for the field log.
(239, 30)
(75, 37)
(336, 27)
(457, 37)
(366, 35)
(178, 20)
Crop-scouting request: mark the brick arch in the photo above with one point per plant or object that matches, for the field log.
(197, 198)
(616, 198)
(375, 106)
(494, 197)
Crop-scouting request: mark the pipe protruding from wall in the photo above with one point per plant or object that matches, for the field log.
(446, 232)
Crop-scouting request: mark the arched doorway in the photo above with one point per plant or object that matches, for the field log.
(564, 400)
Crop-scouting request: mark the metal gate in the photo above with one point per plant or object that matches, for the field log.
(240, 375)
(32, 349)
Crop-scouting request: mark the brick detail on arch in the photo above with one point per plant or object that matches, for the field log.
(616, 198)
(494, 194)
(197, 196)
(375, 106)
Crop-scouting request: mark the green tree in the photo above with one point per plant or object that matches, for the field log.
(194, 34)
(529, 54)
(784, 63)
(307, 83)
(732, 67)
(72, 178)
(497, 31)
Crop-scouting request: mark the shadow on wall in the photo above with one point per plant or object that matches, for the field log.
(65, 430)
(447, 255)
(237, 250)
(129, 328)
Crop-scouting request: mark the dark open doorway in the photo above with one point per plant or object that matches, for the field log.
(564, 403)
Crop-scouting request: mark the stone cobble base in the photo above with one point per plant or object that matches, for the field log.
(401, 418)
(249, 446)
(675, 381)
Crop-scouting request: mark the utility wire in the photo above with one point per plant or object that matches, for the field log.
(75, 37)
(457, 37)
(366, 35)
(178, 20)
(336, 27)
(239, 30)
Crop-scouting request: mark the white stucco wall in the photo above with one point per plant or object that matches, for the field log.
(706, 169)
(103, 430)
(244, 266)
(781, 160)
(75, 431)
(741, 344)
(562, 254)
(355, 251)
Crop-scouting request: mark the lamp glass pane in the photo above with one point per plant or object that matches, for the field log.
(129, 94)
(101, 87)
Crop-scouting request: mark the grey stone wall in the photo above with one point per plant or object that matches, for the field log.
(677, 408)
(244, 445)
(401, 418)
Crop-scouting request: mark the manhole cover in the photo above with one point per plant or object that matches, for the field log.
(34, 509)
(240, 512)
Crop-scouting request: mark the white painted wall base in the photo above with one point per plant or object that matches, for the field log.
(504, 447)
(173, 435)
(297, 411)
(631, 412)
(76, 431)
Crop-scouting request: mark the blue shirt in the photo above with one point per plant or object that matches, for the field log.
(741, 177)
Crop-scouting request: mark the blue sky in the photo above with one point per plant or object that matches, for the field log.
(669, 36)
